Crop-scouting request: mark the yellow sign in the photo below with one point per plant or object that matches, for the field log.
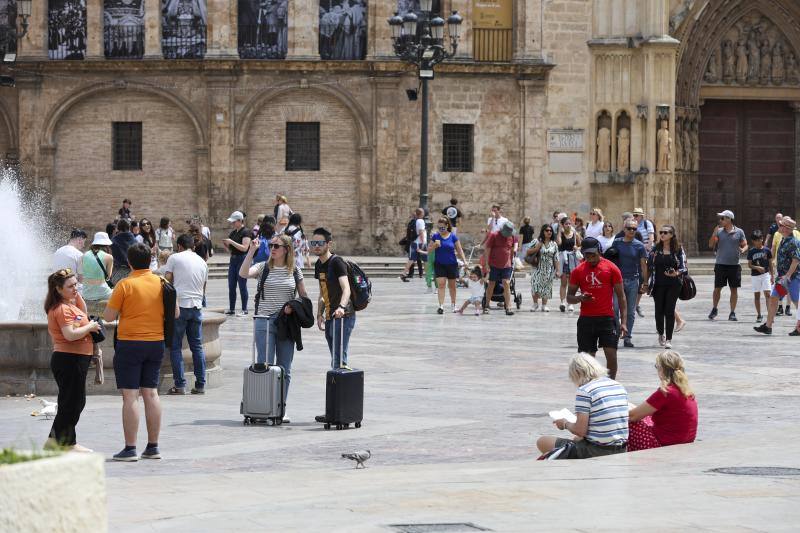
(496, 14)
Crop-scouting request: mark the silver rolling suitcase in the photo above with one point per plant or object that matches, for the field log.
(262, 390)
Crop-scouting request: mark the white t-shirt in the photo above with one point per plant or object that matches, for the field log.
(595, 229)
(605, 242)
(475, 289)
(497, 223)
(189, 276)
(68, 257)
(422, 238)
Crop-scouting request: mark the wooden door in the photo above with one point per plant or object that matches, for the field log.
(747, 163)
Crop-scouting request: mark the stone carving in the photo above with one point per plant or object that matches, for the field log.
(711, 75)
(778, 68)
(679, 144)
(728, 61)
(694, 140)
(753, 52)
(623, 151)
(664, 147)
(686, 141)
(604, 150)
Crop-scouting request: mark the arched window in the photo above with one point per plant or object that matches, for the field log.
(263, 29)
(343, 29)
(66, 24)
(123, 29)
(183, 29)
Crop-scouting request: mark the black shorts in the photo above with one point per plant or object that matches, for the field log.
(730, 275)
(597, 330)
(445, 271)
(137, 364)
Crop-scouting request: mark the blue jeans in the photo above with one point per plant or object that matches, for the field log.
(631, 287)
(269, 348)
(339, 349)
(190, 322)
(233, 279)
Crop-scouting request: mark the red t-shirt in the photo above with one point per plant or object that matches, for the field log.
(501, 250)
(675, 419)
(598, 281)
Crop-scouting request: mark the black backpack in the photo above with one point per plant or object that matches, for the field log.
(360, 285)
(169, 296)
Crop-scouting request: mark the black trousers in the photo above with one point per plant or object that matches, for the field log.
(665, 297)
(69, 370)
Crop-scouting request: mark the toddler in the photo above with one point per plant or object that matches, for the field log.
(163, 255)
(476, 290)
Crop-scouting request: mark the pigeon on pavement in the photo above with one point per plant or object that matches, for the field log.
(360, 457)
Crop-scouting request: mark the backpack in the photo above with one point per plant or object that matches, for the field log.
(411, 231)
(169, 297)
(163, 238)
(360, 285)
(263, 252)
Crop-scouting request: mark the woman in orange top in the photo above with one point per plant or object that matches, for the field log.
(70, 328)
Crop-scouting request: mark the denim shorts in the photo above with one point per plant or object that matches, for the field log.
(137, 364)
(499, 274)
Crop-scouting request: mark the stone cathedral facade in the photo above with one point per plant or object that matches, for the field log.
(202, 107)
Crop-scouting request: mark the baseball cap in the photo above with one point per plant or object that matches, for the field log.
(727, 213)
(507, 230)
(590, 245)
(236, 215)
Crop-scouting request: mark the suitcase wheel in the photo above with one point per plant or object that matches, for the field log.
(339, 426)
(327, 426)
(246, 421)
(358, 425)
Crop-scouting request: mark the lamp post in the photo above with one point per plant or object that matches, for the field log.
(419, 40)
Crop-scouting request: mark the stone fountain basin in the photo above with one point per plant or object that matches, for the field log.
(25, 349)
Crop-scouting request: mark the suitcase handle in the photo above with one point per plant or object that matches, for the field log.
(341, 342)
(253, 346)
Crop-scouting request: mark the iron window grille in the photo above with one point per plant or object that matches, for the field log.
(457, 148)
(302, 146)
(127, 144)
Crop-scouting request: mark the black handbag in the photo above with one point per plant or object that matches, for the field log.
(100, 335)
(688, 288)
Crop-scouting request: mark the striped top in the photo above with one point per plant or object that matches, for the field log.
(279, 288)
(606, 403)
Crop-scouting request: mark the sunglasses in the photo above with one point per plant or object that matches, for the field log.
(593, 213)
(275, 245)
(442, 228)
(630, 229)
(665, 233)
(145, 224)
(549, 230)
(316, 243)
(64, 272)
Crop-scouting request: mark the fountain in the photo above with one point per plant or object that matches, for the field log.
(25, 345)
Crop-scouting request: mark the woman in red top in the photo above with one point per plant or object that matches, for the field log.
(669, 415)
(70, 328)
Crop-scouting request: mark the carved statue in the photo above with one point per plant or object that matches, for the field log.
(778, 68)
(792, 74)
(711, 75)
(754, 58)
(741, 62)
(687, 145)
(604, 150)
(678, 144)
(695, 151)
(664, 147)
(766, 62)
(728, 61)
(623, 151)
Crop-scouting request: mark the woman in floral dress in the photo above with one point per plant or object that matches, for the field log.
(542, 275)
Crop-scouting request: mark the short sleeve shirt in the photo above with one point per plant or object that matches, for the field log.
(141, 307)
(453, 213)
(759, 257)
(189, 276)
(238, 236)
(598, 281)
(501, 250)
(419, 226)
(728, 246)
(675, 419)
(630, 257)
(446, 253)
(279, 287)
(527, 233)
(62, 315)
(328, 274)
(606, 403)
(788, 250)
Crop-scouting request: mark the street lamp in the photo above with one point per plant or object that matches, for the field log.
(419, 40)
(10, 32)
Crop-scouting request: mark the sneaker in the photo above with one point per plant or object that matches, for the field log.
(794, 333)
(760, 318)
(661, 340)
(126, 456)
(639, 312)
(764, 329)
(454, 308)
(198, 390)
(404, 278)
(713, 314)
(571, 308)
(321, 419)
(509, 312)
(668, 345)
(176, 391)
(787, 311)
(732, 317)
(562, 307)
(440, 310)
(477, 313)
(545, 309)
(230, 312)
(627, 343)
(534, 308)
(780, 311)
(151, 453)
(242, 313)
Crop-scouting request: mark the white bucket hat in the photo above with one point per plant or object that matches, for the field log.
(101, 239)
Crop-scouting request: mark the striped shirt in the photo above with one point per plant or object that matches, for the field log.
(279, 288)
(606, 403)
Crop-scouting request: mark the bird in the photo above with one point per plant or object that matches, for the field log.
(48, 409)
(360, 457)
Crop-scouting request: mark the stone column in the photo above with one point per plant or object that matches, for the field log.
(379, 34)
(221, 31)
(527, 39)
(34, 45)
(533, 134)
(796, 108)
(152, 29)
(94, 29)
(303, 30)
(218, 189)
(464, 8)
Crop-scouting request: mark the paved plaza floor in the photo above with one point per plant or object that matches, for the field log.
(453, 407)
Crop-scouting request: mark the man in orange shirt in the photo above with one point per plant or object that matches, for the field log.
(138, 303)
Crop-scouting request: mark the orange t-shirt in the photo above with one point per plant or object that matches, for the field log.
(141, 307)
(62, 315)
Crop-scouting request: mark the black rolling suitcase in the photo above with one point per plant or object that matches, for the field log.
(344, 391)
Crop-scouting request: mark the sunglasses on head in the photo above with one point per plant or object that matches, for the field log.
(64, 272)
(316, 243)
(275, 245)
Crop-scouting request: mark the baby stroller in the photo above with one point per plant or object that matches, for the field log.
(498, 294)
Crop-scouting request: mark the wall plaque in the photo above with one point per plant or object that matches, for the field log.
(565, 140)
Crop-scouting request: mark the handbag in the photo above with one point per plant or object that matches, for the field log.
(562, 452)
(100, 335)
(103, 268)
(688, 288)
(533, 259)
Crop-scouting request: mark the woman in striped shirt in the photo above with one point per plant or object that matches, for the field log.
(284, 280)
(601, 409)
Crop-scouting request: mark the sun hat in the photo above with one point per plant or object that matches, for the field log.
(101, 239)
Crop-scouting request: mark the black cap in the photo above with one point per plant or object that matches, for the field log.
(590, 245)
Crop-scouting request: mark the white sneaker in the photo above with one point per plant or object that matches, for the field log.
(545, 309)
(534, 308)
(571, 308)
(661, 340)
(477, 313)
(668, 345)
(454, 308)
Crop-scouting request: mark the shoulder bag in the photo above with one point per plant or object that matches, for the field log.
(103, 268)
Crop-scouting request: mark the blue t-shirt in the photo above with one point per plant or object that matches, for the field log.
(630, 256)
(759, 257)
(446, 253)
